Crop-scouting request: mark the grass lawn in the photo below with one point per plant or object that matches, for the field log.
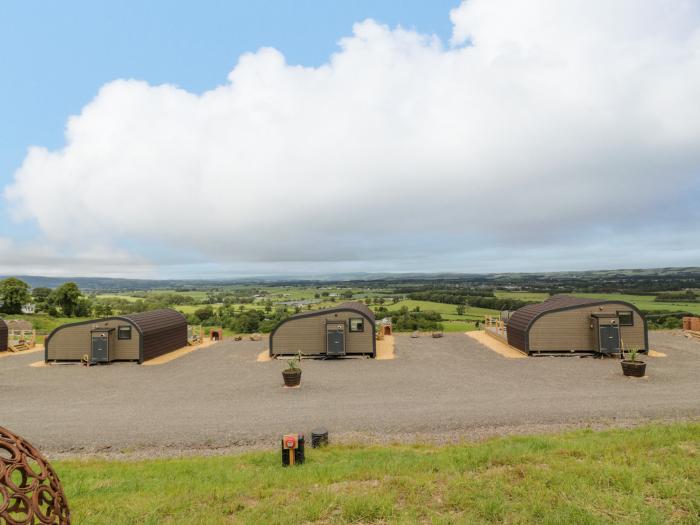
(459, 326)
(646, 475)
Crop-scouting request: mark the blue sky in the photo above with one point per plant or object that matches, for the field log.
(56, 55)
(186, 139)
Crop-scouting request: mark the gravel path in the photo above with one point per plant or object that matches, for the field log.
(440, 390)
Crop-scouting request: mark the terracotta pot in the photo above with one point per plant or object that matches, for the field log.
(633, 368)
(292, 376)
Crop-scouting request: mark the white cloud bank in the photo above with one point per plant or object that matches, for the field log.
(544, 127)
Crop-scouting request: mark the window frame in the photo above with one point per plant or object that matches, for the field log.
(119, 333)
(362, 325)
(631, 314)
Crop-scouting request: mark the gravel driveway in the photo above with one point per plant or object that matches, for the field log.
(441, 390)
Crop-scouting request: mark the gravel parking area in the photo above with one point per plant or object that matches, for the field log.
(222, 399)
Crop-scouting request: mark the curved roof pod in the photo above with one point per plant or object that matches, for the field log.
(160, 331)
(521, 320)
(352, 306)
(155, 321)
(4, 334)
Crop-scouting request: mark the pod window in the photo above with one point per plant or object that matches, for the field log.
(124, 332)
(357, 325)
(626, 318)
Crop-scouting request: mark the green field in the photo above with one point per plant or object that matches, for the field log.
(646, 302)
(643, 302)
(126, 297)
(44, 323)
(428, 306)
(522, 296)
(646, 475)
(451, 321)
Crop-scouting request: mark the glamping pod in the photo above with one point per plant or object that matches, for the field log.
(564, 324)
(4, 333)
(346, 329)
(135, 337)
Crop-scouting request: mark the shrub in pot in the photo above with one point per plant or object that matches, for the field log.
(631, 366)
(292, 375)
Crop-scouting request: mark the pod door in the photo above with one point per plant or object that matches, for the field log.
(609, 342)
(335, 338)
(99, 349)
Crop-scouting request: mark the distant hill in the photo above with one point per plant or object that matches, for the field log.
(649, 279)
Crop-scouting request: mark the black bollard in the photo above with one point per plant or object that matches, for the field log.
(319, 437)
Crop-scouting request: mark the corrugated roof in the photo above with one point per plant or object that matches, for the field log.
(520, 320)
(156, 320)
(349, 305)
(357, 305)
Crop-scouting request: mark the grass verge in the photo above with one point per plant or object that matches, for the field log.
(645, 475)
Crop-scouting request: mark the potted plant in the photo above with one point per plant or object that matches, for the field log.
(631, 366)
(292, 375)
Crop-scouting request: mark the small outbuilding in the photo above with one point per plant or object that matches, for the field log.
(4, 335)
(384, 327)
(565, 324)
(346, 329)
(135, 337)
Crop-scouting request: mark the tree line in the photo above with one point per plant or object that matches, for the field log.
(460, 297)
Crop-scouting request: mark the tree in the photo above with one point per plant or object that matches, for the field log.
(67, 297)
(204, 314)
(83, 308)
(460, 309)
(41, 294)
(103, 310)
(13, 295)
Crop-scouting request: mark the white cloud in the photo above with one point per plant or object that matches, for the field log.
(543, 121)
(96, 260)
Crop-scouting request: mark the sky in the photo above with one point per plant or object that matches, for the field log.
(224, 139)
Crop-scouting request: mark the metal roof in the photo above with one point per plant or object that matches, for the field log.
(349, 305)
(156, 320)
(357, 305)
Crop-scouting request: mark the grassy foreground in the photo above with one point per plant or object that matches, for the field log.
(646, 475)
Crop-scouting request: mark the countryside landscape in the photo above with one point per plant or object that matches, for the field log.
(413, 303)
(349, 263)
(464, 457)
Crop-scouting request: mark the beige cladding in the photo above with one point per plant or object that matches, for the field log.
(72, 342)
(308, 334)
(572, 329)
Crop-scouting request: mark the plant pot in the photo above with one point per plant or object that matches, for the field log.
(292, 376)
(633, 368)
